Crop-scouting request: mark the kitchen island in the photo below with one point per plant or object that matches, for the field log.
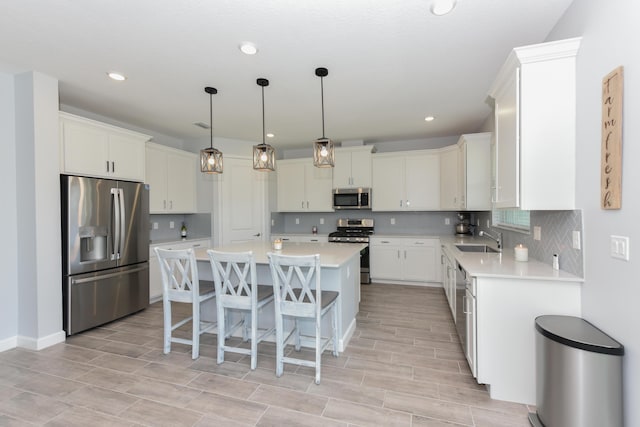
(339, 271)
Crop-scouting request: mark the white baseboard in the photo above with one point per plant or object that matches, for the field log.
(40, 343)
(8, 343)
(401, 282)
(346, 337)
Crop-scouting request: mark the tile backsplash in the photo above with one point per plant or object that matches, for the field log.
(557, 229)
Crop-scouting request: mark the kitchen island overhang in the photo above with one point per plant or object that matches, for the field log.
(339, 271)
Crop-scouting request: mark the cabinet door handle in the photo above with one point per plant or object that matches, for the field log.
(384, 241)
(405, 254)
(113, 167)
(302, 204)
(398, 253)
(307, 204)
(170, 204)
(164, 204)
(256, 235)
(400, 203)
(107, 166)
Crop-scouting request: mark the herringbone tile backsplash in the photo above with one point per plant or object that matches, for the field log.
(556, 238)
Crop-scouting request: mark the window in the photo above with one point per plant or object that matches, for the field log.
(512, 219)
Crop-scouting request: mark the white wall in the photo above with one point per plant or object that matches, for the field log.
(38, 224)
(612, 290)
(8, 216)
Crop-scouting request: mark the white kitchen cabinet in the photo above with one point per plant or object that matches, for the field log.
(406, 181)
(535, 109)
(449, 280)
(474, 171)
(449, 177)
(303, 187)
(404, 259)
(155, 276)
(91, 148)
(352, 167)
(171, 175)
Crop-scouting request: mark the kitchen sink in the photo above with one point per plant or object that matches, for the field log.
(477, 248)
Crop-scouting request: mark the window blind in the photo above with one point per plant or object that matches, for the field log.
(512, 219)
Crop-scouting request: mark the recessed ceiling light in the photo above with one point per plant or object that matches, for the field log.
(248, 48)
(442, 7)
(270, 135)
(429, 119)
(116, 76)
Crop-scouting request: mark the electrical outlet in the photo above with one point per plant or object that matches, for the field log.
(620, 247)
(576, 239)
(393, 221)
(155, 225)
(321, 221)
(297, 220)
(447, 221)
(172, 224)
(537, 232)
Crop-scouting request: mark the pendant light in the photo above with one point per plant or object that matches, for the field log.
(323, 154)
(264, 155)
(210, 158)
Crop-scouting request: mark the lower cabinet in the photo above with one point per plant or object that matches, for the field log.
(405, 259)
(155, 276)
(449, 280)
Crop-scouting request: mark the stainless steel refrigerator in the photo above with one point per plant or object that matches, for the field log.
(105, 250)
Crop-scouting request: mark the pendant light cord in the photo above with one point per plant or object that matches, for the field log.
(263, 128)
(211, 118)
(322, 101)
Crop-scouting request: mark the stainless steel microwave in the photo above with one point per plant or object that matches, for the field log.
(351, 198)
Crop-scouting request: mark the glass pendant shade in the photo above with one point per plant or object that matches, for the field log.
(210, 158)
(264, 155)
(323, 153)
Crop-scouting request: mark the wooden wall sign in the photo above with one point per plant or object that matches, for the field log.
(611, 161)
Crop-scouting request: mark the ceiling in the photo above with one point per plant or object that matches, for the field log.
(390, 62)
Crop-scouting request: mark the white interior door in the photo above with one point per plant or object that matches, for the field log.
(242, 207)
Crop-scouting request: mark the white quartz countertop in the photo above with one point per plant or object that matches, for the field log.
(501, 265)
(332, 255)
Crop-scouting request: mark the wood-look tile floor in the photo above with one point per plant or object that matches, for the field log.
(403, 367)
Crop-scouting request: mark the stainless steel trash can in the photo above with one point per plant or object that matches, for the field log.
(578, 374)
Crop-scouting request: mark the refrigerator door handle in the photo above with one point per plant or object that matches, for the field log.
(116, 222)
(123, 222)
(106, 276)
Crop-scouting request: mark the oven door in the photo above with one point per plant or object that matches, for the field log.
(365, 278)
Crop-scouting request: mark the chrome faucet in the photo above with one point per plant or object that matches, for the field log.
(497, 239)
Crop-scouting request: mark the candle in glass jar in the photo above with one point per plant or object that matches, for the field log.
(521, 253)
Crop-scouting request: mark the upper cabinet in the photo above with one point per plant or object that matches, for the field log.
(353, 167)
(171, 175)
(450, 188)
(97, 149)
(303, 187)
(474, 171)
(406, 181)
(535, 141)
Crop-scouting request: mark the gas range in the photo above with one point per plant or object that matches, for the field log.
(356, 231)
(352, 230)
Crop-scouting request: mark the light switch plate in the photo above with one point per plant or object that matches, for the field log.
(393, 221)
(321, 221)
(620, 247)
(155, 225)
(297, 220)
(537, 232)
(576, 239)
(172, 224)
(447, 221)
